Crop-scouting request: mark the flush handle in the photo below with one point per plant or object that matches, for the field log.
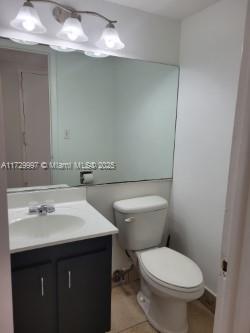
(129, 220)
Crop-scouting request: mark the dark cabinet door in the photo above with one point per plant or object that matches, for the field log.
(33, 300)
(84, 290)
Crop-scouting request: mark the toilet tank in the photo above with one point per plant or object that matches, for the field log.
(141, 221)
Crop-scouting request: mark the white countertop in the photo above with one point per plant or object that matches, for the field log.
(94, 225)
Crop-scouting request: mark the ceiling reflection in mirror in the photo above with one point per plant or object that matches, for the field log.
(74, 119)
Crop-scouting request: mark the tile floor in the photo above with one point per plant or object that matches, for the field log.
(127, 316)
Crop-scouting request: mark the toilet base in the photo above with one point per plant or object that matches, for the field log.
(162, 313)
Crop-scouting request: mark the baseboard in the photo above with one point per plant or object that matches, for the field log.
(208, 299)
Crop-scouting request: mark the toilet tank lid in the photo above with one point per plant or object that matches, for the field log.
(141, 204)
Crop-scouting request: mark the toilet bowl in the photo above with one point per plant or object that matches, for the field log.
(169, 280)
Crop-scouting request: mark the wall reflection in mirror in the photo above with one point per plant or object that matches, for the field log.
(79, 119)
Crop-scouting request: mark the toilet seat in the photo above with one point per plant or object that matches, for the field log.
(171, 270)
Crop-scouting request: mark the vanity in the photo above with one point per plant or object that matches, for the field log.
(61, 267)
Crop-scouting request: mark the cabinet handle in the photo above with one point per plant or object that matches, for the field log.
(69, 276)
(42, 286)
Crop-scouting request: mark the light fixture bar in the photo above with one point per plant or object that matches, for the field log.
(27, 19)
(74, 11)
(95, 14)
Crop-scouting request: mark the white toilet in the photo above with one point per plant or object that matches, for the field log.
(168, 279)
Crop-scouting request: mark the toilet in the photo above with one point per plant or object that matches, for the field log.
(169, 280)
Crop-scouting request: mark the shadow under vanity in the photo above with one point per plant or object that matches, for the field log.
(61, 281)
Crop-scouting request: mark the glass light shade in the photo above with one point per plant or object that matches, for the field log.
(61, 48)
(27, 19)
(110, 39)
(72, 30)
(23, 42)
(96, 54)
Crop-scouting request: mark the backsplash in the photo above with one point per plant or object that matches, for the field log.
(22, 199)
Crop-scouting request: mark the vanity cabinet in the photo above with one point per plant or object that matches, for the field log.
(64, 288)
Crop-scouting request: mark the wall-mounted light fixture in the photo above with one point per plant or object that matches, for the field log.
(110, 39)
(72, 30)
(28, 20)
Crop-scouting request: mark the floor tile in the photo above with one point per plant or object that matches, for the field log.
(200, 318)
(127, 316)
(141, 328)
(125, 310)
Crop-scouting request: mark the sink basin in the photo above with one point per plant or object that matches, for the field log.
(45, 226)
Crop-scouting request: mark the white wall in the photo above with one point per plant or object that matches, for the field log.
(211, 45)
(147, 36)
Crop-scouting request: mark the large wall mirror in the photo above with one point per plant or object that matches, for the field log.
(80, 119)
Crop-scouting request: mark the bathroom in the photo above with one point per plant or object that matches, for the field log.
(120, 128)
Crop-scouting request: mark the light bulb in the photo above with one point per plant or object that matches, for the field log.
(27, 19)
(72, 35)
(110, 43)
(110, 39)
(28, 25)
(72, 30)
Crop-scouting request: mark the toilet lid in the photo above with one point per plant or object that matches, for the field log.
(171, 267)
(141, 204)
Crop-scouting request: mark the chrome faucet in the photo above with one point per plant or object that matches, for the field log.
(42, 209)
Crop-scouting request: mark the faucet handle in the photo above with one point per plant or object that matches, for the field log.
(41, 209)
(50, 208)
(34, 209)
(44, 209)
